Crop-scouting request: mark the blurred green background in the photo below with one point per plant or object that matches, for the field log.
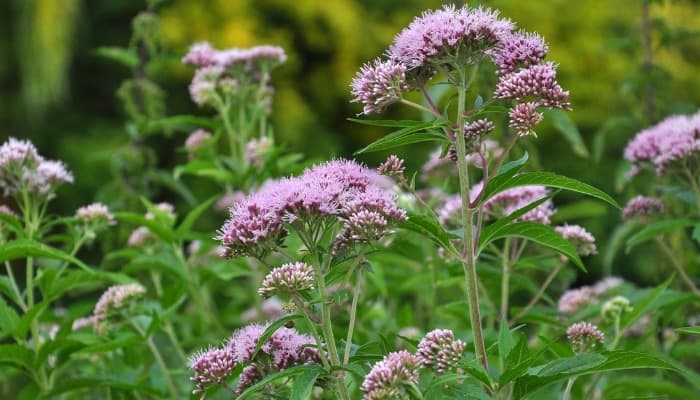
(58, 92)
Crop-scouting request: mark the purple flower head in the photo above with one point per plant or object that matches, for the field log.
(256, 151)
(47, 176)
(211, 366)
(538, 82)
(574, 299)
(584, 336)
(388, 378)
(524, 117)
(379, 84)
(139, 237)
(116, 297)
(200, 55)
(449, 35)
(519, 50)
(196, 140)
(666, 144)
(480, 127)
(249, 377)
(95, 213)
(5, 210)
(244, 341)
(288, 278)
(204, 83)
(250, 58)
(581, 239)
(335, 189)
(393, 167)
(289, 348)
(642, 207)
(440, 350)
(361, 227)
(17, 153)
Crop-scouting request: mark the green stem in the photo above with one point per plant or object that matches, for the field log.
(327, 329)
(469, 261)
(305, 312)
(159, 360)
(505, 281)
(548, 280)
(567, 390)
(15, 288)
(353, 316)
(677, 265)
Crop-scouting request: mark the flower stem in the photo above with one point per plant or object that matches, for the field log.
(505, 281)
(159, 359)
(567, 390)
(677, 265)
(469, 260)
(353, 316)
(548, 280)
(300, 305)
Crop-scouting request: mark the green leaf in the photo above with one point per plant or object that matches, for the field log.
(121, 55)
(566, 126)
(287, 373)
(304, 384)
(193, 215)
(163, 232)
(690, 330)
(8, 318)
(538, 233)
(204, 169)
(17, 355)
(512, 167)
(271, 329)
(178, 123)
(505, 341)
(487, 234)
(547, 179)
(476, 370)
(126, 384)
(655, 229)
(408, 135)
(585, 364)
(696, 233)
(429, 227)
(615, 242)
(24, 248)
(643, 306)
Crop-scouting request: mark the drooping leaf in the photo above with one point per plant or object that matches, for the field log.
(287, 373)
(642, 307)
(304, 384)
(550, 180)
(124, 56)
(24, 248)
(584, 364)
(429, 227)
(424, 131)
(538, 233)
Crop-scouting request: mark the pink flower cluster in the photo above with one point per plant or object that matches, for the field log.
(642, 207)
(388, 378)
(204, 55)
(288, 278)
(379, 84)
(339, 189)
(666, 144)
(95, 214)
(22, 168)
(582, 240)
(584, 336)
(284, 349)
(574, 299)
(196, 140)
(537, 83)
(440, 350)
(519, 50)
(114, 298)
(436, 37)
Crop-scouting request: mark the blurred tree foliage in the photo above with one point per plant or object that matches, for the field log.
(58, 92)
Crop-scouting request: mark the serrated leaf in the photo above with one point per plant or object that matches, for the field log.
(566, 126)
(566, 368)
(550, 180)
(655, 229)
(429, 227)
(542, 234)
(24, 248)
(421, 132)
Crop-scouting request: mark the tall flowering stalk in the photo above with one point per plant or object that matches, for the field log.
(454, 43)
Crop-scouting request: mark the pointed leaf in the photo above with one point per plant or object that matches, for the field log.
(304, 384)
(566, 126)
(655, 229)
(413, 134)
(24, 248)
